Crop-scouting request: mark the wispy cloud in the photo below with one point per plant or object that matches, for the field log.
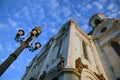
(66, 1)
(12, 22)
(9, 47)
(54, 4)
(110, 7)
(17, 14)
(78, 14)
(2, 59)
(42, 13)
(54, 30)
(85, 27)
(103, 1)
(15, 67)
(2, 26)
(1, 47)
(113, 10)
(54, 13)
(26, 12)
(88, 6)
(66, 11)
(98, 4)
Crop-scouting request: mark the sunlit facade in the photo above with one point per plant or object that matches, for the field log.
(72, 54)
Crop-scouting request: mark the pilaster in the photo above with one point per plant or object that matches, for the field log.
(70, 58)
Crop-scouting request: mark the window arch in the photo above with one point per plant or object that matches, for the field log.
(97, 22)
(103, 29)
(116, 47)
(85, 50)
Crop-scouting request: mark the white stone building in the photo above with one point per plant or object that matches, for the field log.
(72, 54)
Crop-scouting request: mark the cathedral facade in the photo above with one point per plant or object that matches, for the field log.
(72, 54)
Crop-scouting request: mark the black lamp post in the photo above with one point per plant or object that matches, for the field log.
(25, 43)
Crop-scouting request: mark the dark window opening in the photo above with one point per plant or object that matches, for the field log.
(32, 78)
(97, 21)
(116, 47)
(103, 29)
(55, 78)
(118, 78)
(85, 50)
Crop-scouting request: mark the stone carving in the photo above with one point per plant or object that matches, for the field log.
(61, 63)
(79, 65)
(99, 76)
(42, 77)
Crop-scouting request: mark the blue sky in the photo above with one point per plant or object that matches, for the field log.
(26, 14)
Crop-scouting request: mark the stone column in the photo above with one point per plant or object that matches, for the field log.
(71, 50)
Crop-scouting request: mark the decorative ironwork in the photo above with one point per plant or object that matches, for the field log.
(25, 43)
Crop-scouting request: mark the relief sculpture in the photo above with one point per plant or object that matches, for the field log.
(61, 63)
(99, 76)
(79, 65)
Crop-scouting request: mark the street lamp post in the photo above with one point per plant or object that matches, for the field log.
(24, 44)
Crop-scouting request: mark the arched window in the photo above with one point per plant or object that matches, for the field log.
(116, 47)
(103, 29)
(97, 21)
(85, 50)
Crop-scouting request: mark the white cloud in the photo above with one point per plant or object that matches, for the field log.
(29, 60)
(12, 22)
(58, 20)
(9, 47)
(54, 8)
(112, 15)
(115, 10)
(85, 27)
(17, 14)
(78, 14)
(66, 11)
(17, 45)
(66, 1)
(54, 30)
(110, 7)
(103, 1)
(2, 26)
(83, 9)
(26, 13)
(41, 13)
(1, 47)
(54, 4)
(88, 6)
(3, 59)
(14, 79)
(98, 5)
(15, 67)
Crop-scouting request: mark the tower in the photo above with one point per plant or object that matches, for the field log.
(72, 54)
(106, 35)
